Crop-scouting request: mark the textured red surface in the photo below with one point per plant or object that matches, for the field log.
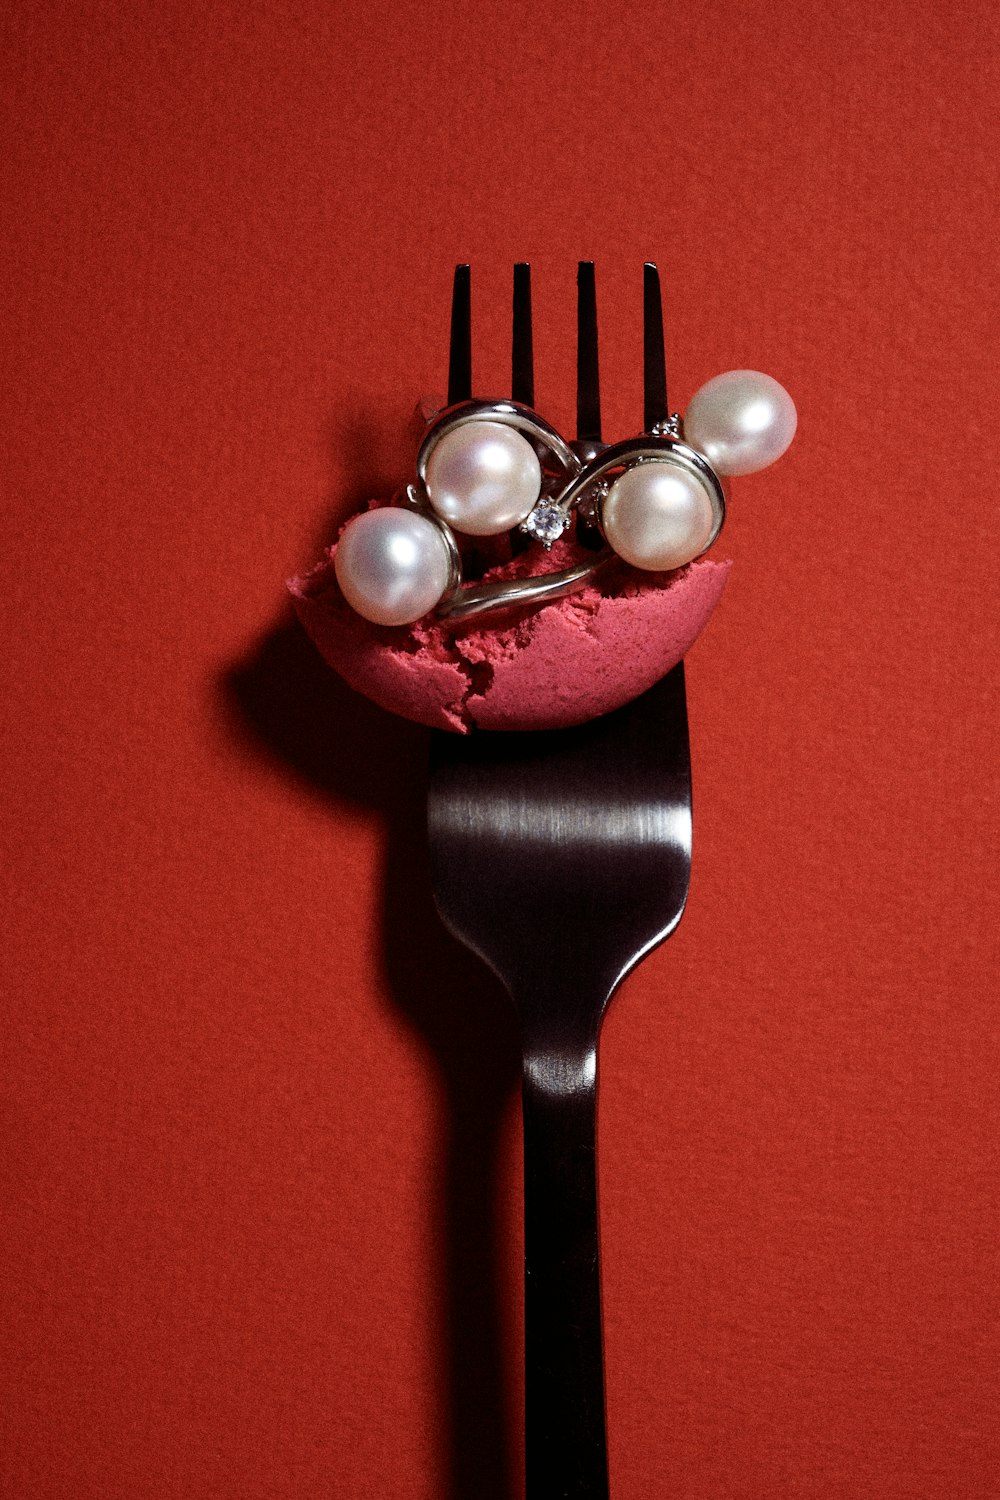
(261, 1148)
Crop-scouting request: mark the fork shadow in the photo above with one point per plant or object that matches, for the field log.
(288, 706)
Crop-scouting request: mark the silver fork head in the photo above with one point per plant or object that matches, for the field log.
(571, 847)
(567, 851)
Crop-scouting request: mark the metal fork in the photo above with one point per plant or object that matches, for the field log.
(562, 859)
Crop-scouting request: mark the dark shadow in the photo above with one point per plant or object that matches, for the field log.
(376, 460)
(285, 704)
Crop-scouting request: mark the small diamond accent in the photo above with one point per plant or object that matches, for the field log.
(546, 523)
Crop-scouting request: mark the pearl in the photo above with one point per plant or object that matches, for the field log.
(483, 478)
(392, 565)
(741, 421)
(658, 515)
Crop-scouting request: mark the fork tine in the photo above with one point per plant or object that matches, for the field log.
(654, 369)
(460, 349)
(522, 383)
(588, 380)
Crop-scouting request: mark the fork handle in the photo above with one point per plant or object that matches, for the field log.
(566, 1440)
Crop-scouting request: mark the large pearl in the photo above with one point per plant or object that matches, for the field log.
(741, 421)
(658, 515)
(483, 478)
(392, 565)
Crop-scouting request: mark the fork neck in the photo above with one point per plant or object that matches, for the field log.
(559, 1055)
(561, 1009)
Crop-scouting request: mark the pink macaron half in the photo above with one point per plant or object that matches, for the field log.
(536, 667)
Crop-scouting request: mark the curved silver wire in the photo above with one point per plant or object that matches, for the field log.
(482, 598)
(540, 433)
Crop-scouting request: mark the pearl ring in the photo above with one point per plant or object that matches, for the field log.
(484, 468)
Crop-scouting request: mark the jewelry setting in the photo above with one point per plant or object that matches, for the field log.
(485, 468)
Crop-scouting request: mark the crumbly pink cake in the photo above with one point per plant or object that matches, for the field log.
(530, 668)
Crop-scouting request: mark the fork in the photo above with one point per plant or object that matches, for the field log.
(562, 858)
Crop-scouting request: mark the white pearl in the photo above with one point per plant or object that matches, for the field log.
(741, 421)
(483, 478)
(658, 515)
(392, 565)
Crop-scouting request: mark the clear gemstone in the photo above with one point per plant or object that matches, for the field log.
(546, 523)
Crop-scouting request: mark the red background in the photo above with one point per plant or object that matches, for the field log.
(260, 1119)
